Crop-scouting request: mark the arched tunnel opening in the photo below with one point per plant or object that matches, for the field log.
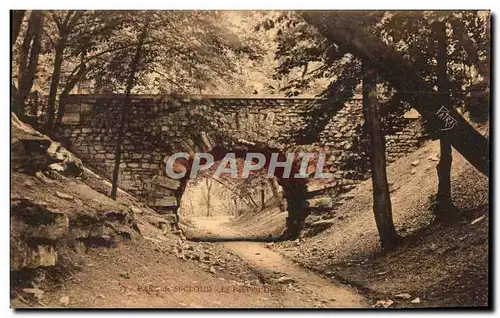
(261, 205)
(233, 209)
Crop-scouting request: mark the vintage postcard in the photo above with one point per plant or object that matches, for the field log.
(250, 159)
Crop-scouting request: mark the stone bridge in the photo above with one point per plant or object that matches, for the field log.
(158, 126)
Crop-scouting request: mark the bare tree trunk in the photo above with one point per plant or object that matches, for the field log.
(28, 60)
(17, 20)
(255, 205)
(54, 81)
(381, 199)
(279, 199)
(235, 206)
(65, 28)
(444, 208)
(263, 198)
(125, 109)
(209, 190)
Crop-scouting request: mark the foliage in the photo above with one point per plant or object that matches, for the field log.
(409, 33)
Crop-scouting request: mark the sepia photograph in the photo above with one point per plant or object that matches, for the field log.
(264, 159)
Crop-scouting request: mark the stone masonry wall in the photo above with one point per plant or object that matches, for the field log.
(161, 125)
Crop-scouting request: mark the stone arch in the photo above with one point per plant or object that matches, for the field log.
(295, 190)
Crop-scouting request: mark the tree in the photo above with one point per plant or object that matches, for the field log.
(208, 183)
(167, 40)
(89, 42)
(273, 183)
(381, 198)
(65, 23)
(263, 197)
(28, 60)
(186, 52)
(435, 42)
(127, 105)
(444, 208)
(399, 47)
(76, 42)
(341, 29)
(17, 17)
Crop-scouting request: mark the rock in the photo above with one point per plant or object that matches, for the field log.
(434, 157)
(285, 280)
(212, 270)
(36, 221)
(317, 227)
(40, 176)
(125, 275)
(166, 182)
(25, 256)
(136, 210)
(415, 163)
(384, 303)
(321, 202)
(415, 301)
(64, 300)
(413, 171)
(139, 228)
(478, 219)
(195, 257)
(36, 292)
(29, 184)
(404, 296)
(57, 167)
(64, 196)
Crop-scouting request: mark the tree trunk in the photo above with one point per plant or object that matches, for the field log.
(209, 188)
(28, 60)
(443, 208)
(263, 198)
(341, 29)
(125, 109)
(381, 198)
(17, 20)
(235, 207)
(255, 205)
(279, 199)
(54, 82)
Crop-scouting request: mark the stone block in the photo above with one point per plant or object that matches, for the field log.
(71, 118)
(164, 201)
(166, 182)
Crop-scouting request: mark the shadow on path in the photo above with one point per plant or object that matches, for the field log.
(234, 239)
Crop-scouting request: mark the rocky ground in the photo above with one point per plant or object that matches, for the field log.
(272, 267)
(435, 265)
(72, 246)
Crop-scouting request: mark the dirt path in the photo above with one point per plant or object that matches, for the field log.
(269, 263)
